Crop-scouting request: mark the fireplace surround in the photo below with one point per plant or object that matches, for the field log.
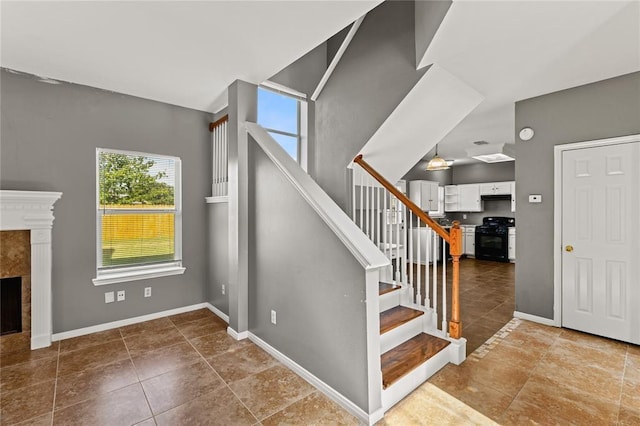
(33, 211)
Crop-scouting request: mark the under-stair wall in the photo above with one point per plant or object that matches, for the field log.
(311, 268)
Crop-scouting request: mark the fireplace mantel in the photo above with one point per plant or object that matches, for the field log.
(33, 210)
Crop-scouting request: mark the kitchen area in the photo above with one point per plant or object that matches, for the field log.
(482, 197)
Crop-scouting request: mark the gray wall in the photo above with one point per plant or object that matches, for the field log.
(374, 75)
(604, 109)
(304, 74)
(300, 269)
(483, 172)
(218, 256)
(48, 143)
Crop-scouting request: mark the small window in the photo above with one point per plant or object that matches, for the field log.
(284, 117)
(139, 216)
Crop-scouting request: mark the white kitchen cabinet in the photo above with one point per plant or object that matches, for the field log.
(469, 237)
(495, 188)
(451, 202)
(513, 196)
(425, 194)
(469, 198)
(512, 244)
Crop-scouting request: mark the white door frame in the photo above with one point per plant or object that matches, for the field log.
(557, 212)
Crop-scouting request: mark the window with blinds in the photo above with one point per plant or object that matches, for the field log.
(139, 214)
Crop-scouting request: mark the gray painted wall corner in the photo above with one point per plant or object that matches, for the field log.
(604, 109)
(48, 142)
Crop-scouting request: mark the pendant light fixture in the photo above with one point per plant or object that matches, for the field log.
(437, 163)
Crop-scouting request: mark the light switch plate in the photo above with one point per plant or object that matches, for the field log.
(108, 297)
(536, 198)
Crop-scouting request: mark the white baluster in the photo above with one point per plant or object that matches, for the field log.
(361, 201)
(385, 226)
(427, 258)
(444, 286)
(436, 237)
(419, 266)
(353, 194)
(398, 210)
(410, 258)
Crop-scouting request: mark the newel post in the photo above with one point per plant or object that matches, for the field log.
(455, 248)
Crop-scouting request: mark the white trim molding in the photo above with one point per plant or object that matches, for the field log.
(534, 318)
(33, 211)
(218, 312)
(128, 321)
(360, 246)
(557, 212)
(237, 336)
(330, 392)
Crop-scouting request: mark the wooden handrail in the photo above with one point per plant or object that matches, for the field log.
(453, 237)
(218, 122)
(403, 199)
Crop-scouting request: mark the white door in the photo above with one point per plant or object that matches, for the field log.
(600, 237)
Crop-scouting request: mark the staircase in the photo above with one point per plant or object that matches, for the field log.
(416, 340)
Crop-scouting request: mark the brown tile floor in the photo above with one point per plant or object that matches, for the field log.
(180, 370)
(186, 370)
(545, 375)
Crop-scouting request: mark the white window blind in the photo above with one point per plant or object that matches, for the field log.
(139, 212)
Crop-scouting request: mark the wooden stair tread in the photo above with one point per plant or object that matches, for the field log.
(402, 359)
(385, 288)
(397, 316)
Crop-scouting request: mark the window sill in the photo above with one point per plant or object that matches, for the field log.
(143, 274)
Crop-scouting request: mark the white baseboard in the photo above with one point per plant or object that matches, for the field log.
(42, 341)
(534, 318)
(218, 312)
(238, 336)
(121, 323)
(331, 393)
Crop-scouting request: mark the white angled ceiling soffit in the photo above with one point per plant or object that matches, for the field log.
(514, 50)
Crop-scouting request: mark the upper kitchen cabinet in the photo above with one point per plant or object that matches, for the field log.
(425, 194)
(495, 188)
(469, 198)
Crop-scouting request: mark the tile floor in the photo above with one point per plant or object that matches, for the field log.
(544, 375)
(185, 370)
(180, 370)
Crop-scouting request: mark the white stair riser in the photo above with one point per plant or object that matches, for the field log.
(390, 300)
(398, 335)
(394, 393)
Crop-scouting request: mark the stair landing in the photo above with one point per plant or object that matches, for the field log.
(404, 358)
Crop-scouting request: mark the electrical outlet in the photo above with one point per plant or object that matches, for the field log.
(464, 216)
(147, 292)
(120, 295)
(273, 317)
(108, 297)
(223, 289)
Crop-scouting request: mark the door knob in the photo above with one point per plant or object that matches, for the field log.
(569, 248)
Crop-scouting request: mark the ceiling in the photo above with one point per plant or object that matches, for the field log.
(179, 52)
(187, 53)
(514, 50)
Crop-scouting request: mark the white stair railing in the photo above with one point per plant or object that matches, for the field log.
(220, 169)
(381, 216)
(418, 253)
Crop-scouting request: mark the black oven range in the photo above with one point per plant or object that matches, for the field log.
(492, 238)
